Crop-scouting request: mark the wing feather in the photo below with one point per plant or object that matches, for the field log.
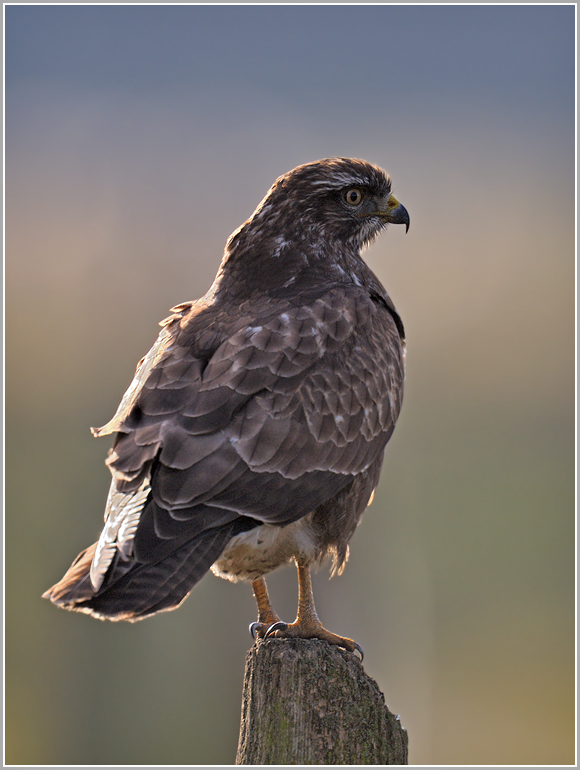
(260, 422)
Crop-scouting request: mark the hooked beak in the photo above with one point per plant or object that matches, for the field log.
(394, 212)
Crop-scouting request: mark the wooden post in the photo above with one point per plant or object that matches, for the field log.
(307, 702)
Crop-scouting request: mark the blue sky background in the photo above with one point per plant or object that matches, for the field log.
(137, 138)
(507, 56)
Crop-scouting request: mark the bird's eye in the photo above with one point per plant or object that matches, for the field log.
(353, 197)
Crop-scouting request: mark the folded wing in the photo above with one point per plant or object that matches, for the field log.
(227, 426)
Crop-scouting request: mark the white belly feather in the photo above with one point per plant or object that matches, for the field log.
(252, 554)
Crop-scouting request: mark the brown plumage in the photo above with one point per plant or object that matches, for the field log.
(253, 432)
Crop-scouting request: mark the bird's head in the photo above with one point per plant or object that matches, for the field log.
(344, 199)
(316, 217)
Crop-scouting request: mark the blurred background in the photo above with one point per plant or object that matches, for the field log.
(137, 138)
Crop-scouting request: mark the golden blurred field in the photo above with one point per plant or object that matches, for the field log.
(460, 584)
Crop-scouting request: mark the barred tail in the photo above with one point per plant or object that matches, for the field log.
(133, 590)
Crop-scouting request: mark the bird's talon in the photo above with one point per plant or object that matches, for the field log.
(253, 628)
(279, 624)
(360, 651)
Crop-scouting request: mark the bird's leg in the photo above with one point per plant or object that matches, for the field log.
(266, 615)
(307, 624)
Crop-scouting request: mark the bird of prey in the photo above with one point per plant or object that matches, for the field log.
(253, 432)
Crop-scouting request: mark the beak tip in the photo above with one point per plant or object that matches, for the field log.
(400, 216)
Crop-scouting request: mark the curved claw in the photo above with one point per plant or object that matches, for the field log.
(279, 624)
(253, 628)
(360, 651)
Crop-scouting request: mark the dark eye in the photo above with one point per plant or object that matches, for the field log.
(353, 196)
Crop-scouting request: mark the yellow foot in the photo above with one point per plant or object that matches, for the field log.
(266, 615)
(297, 630)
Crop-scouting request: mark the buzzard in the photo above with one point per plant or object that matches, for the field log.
(253, 432)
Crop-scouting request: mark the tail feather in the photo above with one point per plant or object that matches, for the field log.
(76, 585)
(132, 590)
